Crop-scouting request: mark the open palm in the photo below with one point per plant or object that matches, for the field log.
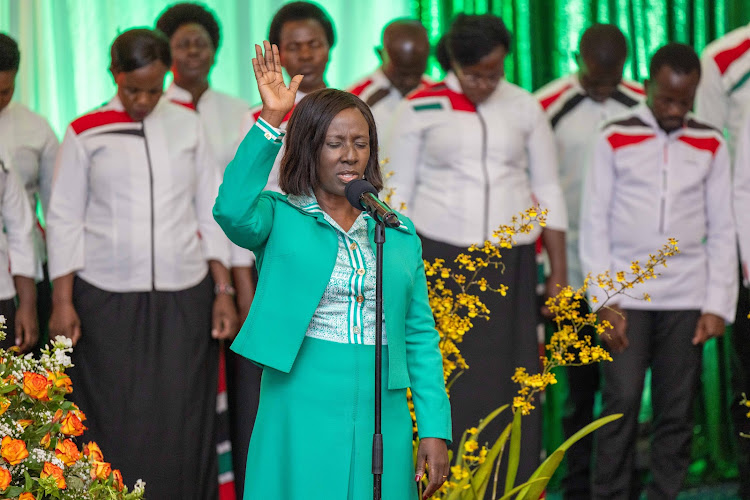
(278, 99)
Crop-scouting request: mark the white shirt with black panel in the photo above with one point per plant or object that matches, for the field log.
(131, 202)
(575, 119)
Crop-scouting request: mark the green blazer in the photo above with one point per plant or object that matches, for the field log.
(295, 256)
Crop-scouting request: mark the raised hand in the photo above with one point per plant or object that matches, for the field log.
(277, 98)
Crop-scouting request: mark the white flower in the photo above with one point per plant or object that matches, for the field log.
(2, 319)
(62, 342)
(139, 486)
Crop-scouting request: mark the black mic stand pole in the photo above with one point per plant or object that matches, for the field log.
(377, 438)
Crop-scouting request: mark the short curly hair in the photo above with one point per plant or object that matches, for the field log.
(10, 56)
(187, 13)
(300, 11)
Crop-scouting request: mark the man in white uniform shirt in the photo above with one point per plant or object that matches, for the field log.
(32, 146)
(404, 54)
(658, 173)
(576, 105)
(722, 100)
(304, 34)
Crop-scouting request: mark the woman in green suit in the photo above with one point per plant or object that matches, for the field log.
(312, 323)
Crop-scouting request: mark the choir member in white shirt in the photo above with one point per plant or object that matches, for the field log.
(305, 36)
(404, 54)
(469, 153)
(17, 263)
(140, 276)
(723, 100)
(576, 105)
(195, 37)
(32, 146)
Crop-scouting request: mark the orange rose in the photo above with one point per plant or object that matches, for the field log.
(71, 425)
(60, 380)
(93, 451)
(26, 496)
(4, 405)
(52, 470)
(5, 478)
(45, 441)
(25, 422)
(101, 470)
(58, 416)
(118, 484)
(81, 416)
(67, 451)
(35, 385)
(13, 450)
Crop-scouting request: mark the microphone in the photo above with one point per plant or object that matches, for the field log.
(363, 196)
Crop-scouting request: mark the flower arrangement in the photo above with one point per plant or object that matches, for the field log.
(39, 458)
(455, 307)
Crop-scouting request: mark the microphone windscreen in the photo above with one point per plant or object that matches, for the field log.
(355, 189)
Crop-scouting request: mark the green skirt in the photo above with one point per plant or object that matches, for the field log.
(312, 437)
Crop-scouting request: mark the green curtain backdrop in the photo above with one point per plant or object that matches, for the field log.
(546, 32)
(65, 57)
(65, 45)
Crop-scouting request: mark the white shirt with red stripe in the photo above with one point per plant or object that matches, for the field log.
(248, 120)
(131, 202)
(221, 116)
(575, 119)
(644, 186)
(464, 170)
(382, 108)
(16, 241)
(741, 187)
(723, 94)
(32, 145)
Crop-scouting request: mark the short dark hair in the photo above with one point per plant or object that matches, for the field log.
(10, 56)
(306, 134)
(139, 47)
(470, 38)
(300, 11)
(678, 56)
(604, 44)
(180, 14)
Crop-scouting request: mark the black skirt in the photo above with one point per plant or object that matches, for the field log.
(145, 375)
(493, 349)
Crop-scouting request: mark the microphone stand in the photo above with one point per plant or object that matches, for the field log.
(377, 438)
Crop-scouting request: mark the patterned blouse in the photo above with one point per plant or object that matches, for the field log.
(346, 313)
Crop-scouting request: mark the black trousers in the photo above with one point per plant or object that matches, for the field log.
(583, 383)
(8, 309)
(493, 349)
(741, 384)
(661, 340)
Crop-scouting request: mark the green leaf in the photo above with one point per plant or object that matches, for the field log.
(550, 465)
(527, 484)
(514, 453)
(480, 427)
(482, 475)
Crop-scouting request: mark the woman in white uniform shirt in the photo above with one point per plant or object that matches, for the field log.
(469, 153)
(139, 270)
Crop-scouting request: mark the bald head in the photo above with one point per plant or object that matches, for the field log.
(405, 52)
(604, 44)
(603, 50)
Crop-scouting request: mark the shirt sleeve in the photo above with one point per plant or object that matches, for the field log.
(19, 225)
(245, 216)
(424, 362)
(47, 165)
(741, 195)
(402, 150)
(721, 244)
(711, 103)
(67, 208)
(594, 239)
(543, 170)
(215, 244)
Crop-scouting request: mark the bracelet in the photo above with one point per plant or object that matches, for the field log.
(224, 288)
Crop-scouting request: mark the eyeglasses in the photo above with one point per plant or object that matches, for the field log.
(474, 80)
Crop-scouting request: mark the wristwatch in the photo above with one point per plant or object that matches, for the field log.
(224, 288)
